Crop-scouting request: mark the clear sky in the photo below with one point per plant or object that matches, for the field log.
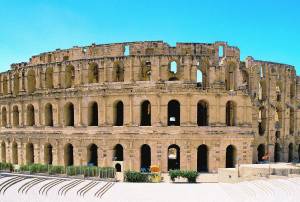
(264, 29)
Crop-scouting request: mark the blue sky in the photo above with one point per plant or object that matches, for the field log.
(266, 30)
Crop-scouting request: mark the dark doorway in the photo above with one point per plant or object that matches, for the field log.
(69, 114)
(146, 113)
(202, 158)
(92, 155)
(202, 115)
(69, 158)
(48, 158)
(29, 153)
(173, 157)
(173, 113)
(145, 158)
(118, 153)
(230, 156)
(230, 113)
(119, 113)
(93, 114)
(118, 167)
(260, 152)
(291, 152)
(277, 150)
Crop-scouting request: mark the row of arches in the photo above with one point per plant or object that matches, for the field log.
(118, 110)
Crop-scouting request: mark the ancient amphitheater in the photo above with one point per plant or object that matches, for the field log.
(131, 105)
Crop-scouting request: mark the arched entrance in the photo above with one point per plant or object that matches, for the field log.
(173, 157)
(92, 155)
(202, 113)
(48, 156)
(14, 153)
(145, 158)
(260, 152)
(93, 114)
(29, 153)
(277, 150)
(230, 156)
(230, 113)
(119, 114)
(173, 113)
(3, 152)
(291, 152)
(69, 114)
(48, 115)
(118, 153)
(146, 113)
(69, 158)
(202, 158)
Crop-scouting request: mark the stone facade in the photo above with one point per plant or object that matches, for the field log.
(194, 106)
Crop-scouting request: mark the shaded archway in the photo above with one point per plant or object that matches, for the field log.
(4, 117)
(230, 113)
(3, 152)
(16, 84)
(49, 78)
(68, 155)
(173, 113)
(15, 116)
(277, 151)
(118, 167)
(118, 153)
(93, 73)
(119, 113)
(69, 114)
(202, 113)
(93, 114)
(230, 79)
(118, 72)
(30, 115)
(69, 76)
(92, 155)
(173, 71)
(14, 153)
(31, 81)
(260, 152)
(29, 153)
(145, 74)
(48, 115)
(48, 155)
(202, 158)
(145, 158)
(146, 113)
(173, 157)
(291, 152)
(230, 156)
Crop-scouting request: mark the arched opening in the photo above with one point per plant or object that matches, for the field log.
(173, 157)
(92, 155)
(31, 81)
(262, 119)
(230, 76)
(49, 78)
(277, 151)
(16, 84)
(68, 154)
(292, 121)
(202, 74)
(119, 114)
(14, 153)
(93, 73)
(69, 114)
(145, 158)
(291, 152)
(230, 156)
(202, 158)
(146, 71)
(48, 115)
(118, 72)
(146, 113)
(5, 85)
(69, 76)
(118, 167)
(48, 156)
(173, 113)
(15, 116)
(3, 152)
(30, 115)
(4, 117)
(202, 113)
(93, 114)
(118, 153)
(230, 113)
(260, 152)
(173, 70)
(29, 153)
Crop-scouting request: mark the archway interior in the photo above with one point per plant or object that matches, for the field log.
(48, 154)
(146, 114)
(93, 114)
(69, 159)
(3, 152)
(202, 158)
(173, 113)
(260, 152)
(119, 119)
(277, 153)
(145, 158)
(291, 155)
(173, 157)
(48, 115)
(29, 153)
(230, 156)
(118, 153)
(69, 114)
(202, 119)
(15, 153)
(93, 155)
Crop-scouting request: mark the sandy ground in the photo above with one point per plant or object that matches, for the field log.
(17, 189)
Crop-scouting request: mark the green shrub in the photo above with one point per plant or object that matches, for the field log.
(189, 174)
(6, 166)
(133, 176)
